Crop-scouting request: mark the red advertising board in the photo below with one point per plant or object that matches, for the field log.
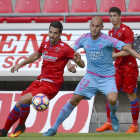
(39, 122)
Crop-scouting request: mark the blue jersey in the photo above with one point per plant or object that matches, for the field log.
(99, 53)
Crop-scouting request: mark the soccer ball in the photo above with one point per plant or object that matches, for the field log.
(40, 102)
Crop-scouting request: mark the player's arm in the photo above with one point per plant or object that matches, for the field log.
(131, 51)
(71, 67)
(78, 60)
(30, 59)
(122, 53)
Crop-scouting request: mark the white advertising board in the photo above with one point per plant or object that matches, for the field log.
(15, 46)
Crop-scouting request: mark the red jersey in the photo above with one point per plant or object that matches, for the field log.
(125, 34)
(55, 58)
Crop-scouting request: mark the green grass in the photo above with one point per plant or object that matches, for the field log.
(77, 136)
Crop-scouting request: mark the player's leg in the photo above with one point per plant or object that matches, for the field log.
(64, 113)
(135, 113)
(11, 119)
(32, 87)
(130, 87)
(25, 102)
(14, 114)
(85, 89)
(108, 87)
(113, 105)
(119, 84)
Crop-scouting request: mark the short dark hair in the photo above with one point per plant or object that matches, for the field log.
(115, 9)
(57, 24)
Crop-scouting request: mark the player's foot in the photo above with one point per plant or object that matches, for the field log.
(115, 123)
(3, 133)
(132, 129)
(106, 126)
(50, 132)
(18, 130)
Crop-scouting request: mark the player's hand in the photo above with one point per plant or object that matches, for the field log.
(77, 57)
(15, 68)
(72, 68)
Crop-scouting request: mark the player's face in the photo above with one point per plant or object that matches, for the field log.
(95, 28)
(114, 18)
(54, 35)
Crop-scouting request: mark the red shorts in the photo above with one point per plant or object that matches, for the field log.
(126, 79)
(47, 88)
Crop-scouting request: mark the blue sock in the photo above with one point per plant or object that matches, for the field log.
(113, 109)
(65, 112)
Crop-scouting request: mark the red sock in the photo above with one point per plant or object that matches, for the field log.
(12, 118)
(108, 112)
(24, 112)
(135, 111)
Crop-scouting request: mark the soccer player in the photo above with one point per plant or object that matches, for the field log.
(55, 55)
(100, 72)
(126, 70)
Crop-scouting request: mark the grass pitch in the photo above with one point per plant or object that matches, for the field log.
(77, 136)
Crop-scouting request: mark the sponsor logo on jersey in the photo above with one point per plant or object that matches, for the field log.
(119, 34)
(48, 58)
(57, 49)
(45, 53)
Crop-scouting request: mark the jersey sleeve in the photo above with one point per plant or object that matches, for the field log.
(41, 47)
(78, 43)
(115, 43)
(70, 53)
(128, 36)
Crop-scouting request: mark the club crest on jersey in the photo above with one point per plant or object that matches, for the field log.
(119, 34)
(57, 49)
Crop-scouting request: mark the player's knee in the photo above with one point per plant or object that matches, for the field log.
(25, 100)
(113, 101)
(75, 100)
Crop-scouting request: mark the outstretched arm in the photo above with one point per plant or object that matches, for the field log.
(30, 59)
(122, 53)
(131, 51)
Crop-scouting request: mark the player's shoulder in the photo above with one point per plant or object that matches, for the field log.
(125, 27)
(62, 44)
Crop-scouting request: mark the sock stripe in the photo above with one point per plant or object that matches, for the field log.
(14, 114)
(10, 118)
(24, 105)
(25, 111)
(134, 106)
(134, 102)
